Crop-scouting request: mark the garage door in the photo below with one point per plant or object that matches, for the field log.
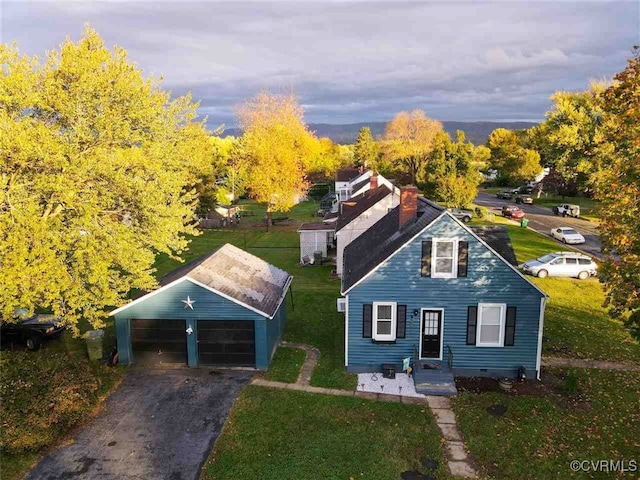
(226, 342)
(158, 341)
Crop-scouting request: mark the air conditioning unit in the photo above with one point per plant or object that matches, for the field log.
(342, 304)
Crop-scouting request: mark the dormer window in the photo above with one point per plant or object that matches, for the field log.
(444, 261)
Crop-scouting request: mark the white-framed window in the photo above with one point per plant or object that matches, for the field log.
(384, 321)
(444, 258)
(491, 319)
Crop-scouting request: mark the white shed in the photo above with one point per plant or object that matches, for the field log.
(315, 237)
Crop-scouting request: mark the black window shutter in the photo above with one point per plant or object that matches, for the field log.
(366, 320)
(472, 324)
(463, 258)
(401, 321)
(425, 269)
(510, 327)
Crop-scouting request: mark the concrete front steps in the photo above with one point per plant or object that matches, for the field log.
(434, 381)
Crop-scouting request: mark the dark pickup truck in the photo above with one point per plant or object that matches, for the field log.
(30, 330)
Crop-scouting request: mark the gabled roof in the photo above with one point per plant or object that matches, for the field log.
(354, 207)
(233, 274)
(346, 174)
(382, 239)
(497, 237)
(361, 184)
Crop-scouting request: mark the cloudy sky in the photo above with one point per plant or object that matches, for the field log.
(353, 61)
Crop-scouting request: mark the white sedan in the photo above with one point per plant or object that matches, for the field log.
(567, 235)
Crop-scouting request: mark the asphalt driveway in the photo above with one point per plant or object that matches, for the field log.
(159, 424)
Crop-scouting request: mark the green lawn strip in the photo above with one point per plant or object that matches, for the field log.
(44, 395)
(539, 436)
(286, 364)
(282, 434)
(588, 206)
(576, 323)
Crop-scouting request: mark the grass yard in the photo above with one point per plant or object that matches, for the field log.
(588, 206)
(283, 434)
(576, 324)
(539, 436)
(286, 365)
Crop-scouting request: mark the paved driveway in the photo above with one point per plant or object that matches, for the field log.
(159, 424)
(543, 220)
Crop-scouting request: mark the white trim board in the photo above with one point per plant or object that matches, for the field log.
(206, 287)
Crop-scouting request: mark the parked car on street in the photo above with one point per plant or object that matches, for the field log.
(30, 330)
(506, 195)
(567, 235)
(567, 209)
(524, 199)
(561, 264)
(511, 211)
(464, 215)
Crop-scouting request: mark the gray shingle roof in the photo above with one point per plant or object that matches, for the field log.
(354, 207)
(238, 275)
(327, 227)
(497, 237)
(382, 239)
(347, 174)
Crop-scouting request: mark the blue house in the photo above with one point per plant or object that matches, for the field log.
(421, 284)
(224, 309)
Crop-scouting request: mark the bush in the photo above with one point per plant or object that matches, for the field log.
(46, 393)
(481, 212)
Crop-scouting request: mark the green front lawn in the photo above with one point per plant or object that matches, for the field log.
(282, 434)
(539, 436)
(588, 206)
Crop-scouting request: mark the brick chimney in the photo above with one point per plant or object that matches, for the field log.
(374, 182)
(408, 203)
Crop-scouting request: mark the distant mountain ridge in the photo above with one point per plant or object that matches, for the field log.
(476, 132)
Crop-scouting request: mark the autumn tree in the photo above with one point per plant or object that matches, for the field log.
(569, 137)
(365, 150)
(97, 175)
(277, 148)
(618, 190)
(408, 140)
(515, 163)
(451, 177)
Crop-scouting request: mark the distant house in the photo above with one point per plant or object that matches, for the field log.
(224, 309)
(357, 214)
(447, 296)
(346, 178)
(219, 216)
(315, 237)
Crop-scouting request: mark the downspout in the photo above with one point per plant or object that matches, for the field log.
(346, 331)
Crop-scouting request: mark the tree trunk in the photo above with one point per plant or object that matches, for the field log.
(269, 218)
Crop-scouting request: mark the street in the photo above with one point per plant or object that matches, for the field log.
(543, 220)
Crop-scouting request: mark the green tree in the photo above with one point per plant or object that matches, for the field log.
(450, 175)
(277, 150)
(365, 150)
(97, 171)
(408, 140)
(568, 140)
(618, 189)
(515, 163)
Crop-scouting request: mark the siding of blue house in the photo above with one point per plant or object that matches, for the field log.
(208, 306)
(489, 280)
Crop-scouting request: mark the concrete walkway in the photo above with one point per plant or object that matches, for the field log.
(579, 363)
(458, 461)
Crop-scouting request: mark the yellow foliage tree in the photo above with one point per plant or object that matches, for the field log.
(408, 140)
(277, 148)
(97, 171)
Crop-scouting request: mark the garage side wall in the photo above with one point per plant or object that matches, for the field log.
(207, 306)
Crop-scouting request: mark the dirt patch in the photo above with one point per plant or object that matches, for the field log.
(548, 384)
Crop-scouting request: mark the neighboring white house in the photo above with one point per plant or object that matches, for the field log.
(359, 213)
(359, 187)
(346, 178)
